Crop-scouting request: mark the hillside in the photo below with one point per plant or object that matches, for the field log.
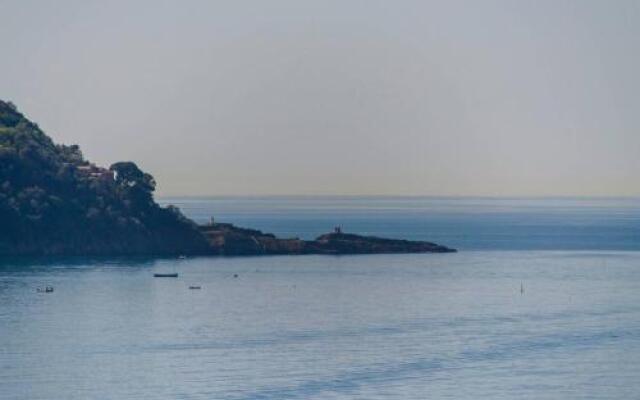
(54, 202)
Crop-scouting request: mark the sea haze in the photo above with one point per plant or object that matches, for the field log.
(463, 223)
(520, 321)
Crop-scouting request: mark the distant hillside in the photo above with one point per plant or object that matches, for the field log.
(53, 201)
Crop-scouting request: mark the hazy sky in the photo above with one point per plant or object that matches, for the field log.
(338, 97)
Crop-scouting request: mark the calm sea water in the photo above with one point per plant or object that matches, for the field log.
(437, 326)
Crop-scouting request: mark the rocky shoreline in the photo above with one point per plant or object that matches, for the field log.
(229, 240)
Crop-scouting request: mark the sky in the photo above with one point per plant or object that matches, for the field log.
(338, 97)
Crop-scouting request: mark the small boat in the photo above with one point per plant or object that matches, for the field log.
(46, 289)
(192, 287)
(172, 275)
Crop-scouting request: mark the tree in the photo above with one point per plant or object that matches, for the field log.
(128, 174)
(135, 186)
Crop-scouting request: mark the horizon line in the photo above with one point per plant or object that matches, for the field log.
(497, 197)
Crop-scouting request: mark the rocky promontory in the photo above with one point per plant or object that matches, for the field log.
(55, 202)
(227, 239)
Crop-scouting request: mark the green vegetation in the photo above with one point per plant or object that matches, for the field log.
(53, 201)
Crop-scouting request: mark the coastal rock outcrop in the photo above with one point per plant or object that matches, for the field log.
(227, 239)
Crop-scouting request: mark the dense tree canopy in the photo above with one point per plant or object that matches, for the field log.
(53, 201)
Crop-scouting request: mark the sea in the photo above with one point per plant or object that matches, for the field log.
(541, 301)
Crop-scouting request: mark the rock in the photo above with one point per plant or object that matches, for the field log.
(227, 239)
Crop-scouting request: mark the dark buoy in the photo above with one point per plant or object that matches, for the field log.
(235, 275)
